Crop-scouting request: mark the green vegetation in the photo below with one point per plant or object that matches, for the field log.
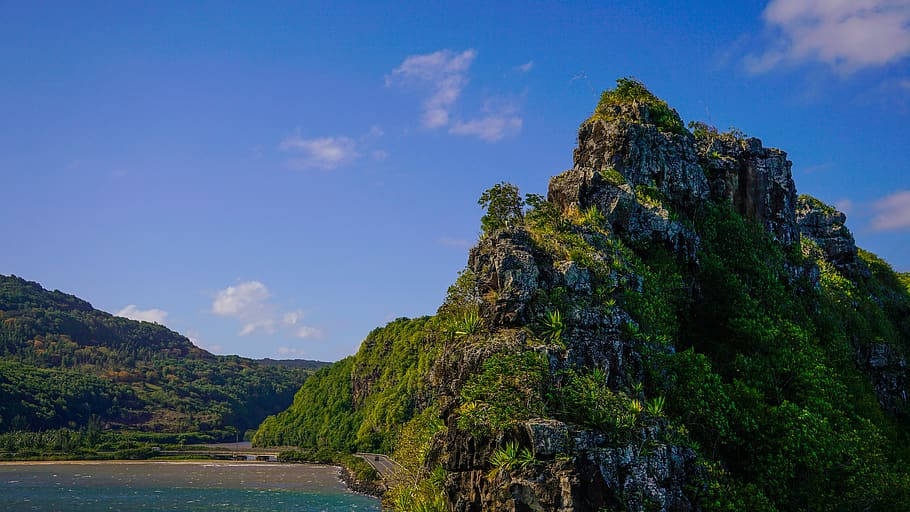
(389, 373)
(613, 177)
(743, 359)
(509, 388)
(510, 457)
(503, 207)
(92, 442)
(64, 362)
(630, 91)
(552, 326)
(816, 203)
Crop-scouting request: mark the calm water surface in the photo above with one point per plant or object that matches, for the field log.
(191, 487)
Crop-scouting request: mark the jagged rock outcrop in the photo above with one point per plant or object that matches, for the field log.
(508, 274)
(888, 372)
(639, 219)
(826, 227)
(641, 178)
(644, 155)
(756, 180)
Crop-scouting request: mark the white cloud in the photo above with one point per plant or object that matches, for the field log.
(144, 315)
(241, 299)
(490, 128)
(844, 205)
(527, 66)
(321, 152)
(248, 302)
(266, 325)
(292, 317)
(893, 212)
(444, 72)
(305, 331)
(846, 34)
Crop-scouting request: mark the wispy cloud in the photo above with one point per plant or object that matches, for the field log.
(321, 152)
(847, 35)
(444, 73)
(328, 153)
(490, 128)
(527, 66)
(500, 120)
(844, 205)
(143, 315)
(293, 319)
(249, 303)
(305, 331)
(893, 212)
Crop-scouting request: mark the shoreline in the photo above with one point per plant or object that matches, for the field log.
(344, 475)
(145, 461)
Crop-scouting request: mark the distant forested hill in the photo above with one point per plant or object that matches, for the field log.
(63, 362)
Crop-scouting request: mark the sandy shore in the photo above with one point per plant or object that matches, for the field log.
(196, 461)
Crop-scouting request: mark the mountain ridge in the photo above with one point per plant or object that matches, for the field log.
(672, 328)
(64, 362)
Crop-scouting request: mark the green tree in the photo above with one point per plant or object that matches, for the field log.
(504, 207)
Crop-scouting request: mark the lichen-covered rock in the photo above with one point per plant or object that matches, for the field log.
(826, 227)
(507, 275)
(644, 156)
(548, 437)
(756, 180)
(638, 219)
(576, 471)
(888, 371)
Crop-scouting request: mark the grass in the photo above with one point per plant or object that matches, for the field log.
(629, 91)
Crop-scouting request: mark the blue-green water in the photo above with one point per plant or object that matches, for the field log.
(191, 487)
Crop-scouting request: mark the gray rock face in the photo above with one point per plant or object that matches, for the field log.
(756, 180)
(644, 156)
(825, 226)
(507, 272)
(641, 221)
(888, 372)
(577, 471)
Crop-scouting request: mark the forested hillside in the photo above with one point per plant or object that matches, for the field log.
(62, 362)
(673, 328)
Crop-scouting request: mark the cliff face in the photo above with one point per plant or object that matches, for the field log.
(672, 329)
(652, 189)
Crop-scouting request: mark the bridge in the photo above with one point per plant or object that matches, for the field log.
(392, 473)
(230, 451)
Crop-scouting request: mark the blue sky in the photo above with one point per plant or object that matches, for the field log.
(278, 179)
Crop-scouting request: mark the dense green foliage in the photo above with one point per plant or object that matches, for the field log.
(769, 386)
(64, 361)
(503, 205)
(92, 442)
(745, 358)
(629, 90)
(389, 373)
(322, 415)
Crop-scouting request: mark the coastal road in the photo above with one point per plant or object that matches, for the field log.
(390, 471)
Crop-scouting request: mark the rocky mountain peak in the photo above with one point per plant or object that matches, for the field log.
(825, 226)
(756, 180)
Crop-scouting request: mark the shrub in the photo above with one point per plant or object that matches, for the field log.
(629, 90)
